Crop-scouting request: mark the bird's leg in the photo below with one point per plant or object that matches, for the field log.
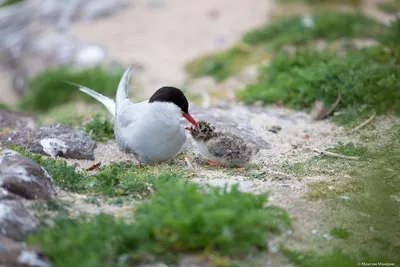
(140, 165)
(212, 163)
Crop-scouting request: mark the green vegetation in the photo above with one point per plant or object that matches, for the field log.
(221, 65)
(4, 107)
(213, 215)
(326, 26)
(326, 190)
(46, 210)
(368, 78)
(392, 38)
(348, 149)
(116, 179)
(296, 30)
(99, 129)
(299, 80)
(180, 217)
(340, 232)
(321, 2)
(312, 259)
(49, 88)
(392, 7)
(364, 195)
(10, 2)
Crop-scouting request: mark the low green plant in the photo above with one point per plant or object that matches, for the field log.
(326, 25)
(99, 129)
(392, 38)
(49, 88)
(348, 149)
(222, 64)
(180, 217)
(184, 217)
(295, 30)
(115, 179)
(46, 210)
(92, 242)
(10, 2)
(340, 232)
(4, 107)
(121, 179)
(299, 80)
(392, 7)
(322, 2)
(312, 259)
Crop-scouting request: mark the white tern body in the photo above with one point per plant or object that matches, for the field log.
(150, 131)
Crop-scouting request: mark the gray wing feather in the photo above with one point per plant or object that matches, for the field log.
(219, 148)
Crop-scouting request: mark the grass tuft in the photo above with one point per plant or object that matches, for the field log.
(10, 2)
(184, 217)
(99, 129)
(312, 259)
(299, 80)
(180, 217)
(322, 2)
(330, 26)
(340, 232)
(348, 149)
(223, 64)
(392, 7)
(115, 179)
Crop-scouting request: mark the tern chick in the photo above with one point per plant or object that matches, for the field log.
(222, 148)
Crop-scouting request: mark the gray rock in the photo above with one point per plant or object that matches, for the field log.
(15, 220)
(13, 254)
(53, 140)
(24, 177)
(14, 120)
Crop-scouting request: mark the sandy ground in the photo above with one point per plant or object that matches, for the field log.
(162, 38)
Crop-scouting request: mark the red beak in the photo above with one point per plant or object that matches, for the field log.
(190, 119)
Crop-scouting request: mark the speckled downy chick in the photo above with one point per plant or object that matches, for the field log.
(222, 148)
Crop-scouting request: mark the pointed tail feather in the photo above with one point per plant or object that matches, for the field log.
(107, 102)
(122, 91)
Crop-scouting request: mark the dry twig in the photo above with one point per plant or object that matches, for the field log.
(188, 162)
(364, 123)
(331, 154)
(94, 167)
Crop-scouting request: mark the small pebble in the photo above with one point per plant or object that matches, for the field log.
(275, 129)
(314, 232)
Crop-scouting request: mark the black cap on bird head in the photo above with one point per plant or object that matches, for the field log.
(176, 96)
(173, 95)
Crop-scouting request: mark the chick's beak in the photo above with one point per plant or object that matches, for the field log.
(190, 119)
